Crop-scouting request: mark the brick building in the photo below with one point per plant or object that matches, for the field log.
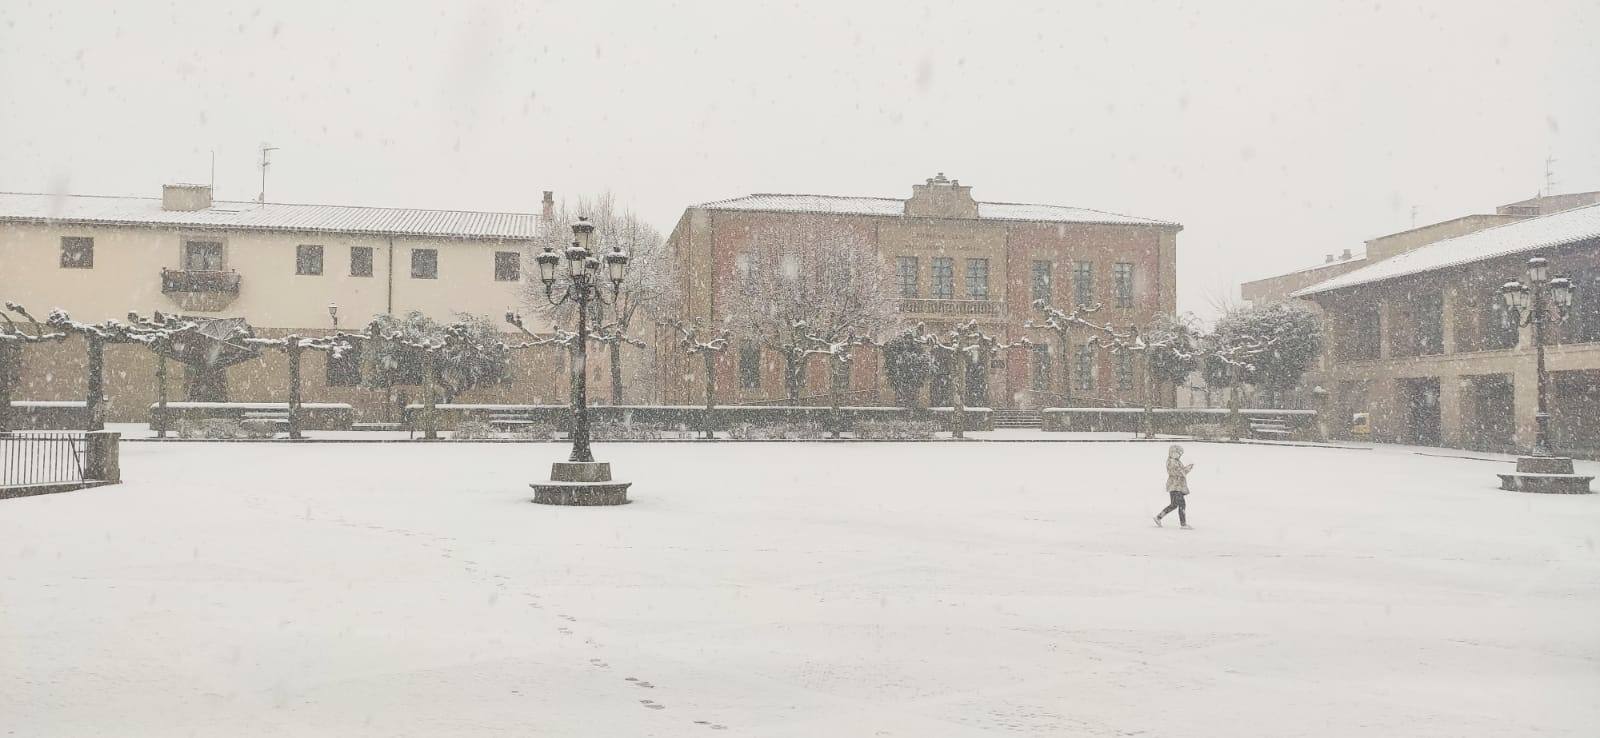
(951, 258)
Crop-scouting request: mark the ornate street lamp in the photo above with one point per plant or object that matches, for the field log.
(333, 312)
(582, 480)
(1534, 302)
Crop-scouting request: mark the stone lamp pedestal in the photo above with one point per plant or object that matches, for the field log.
(1547, 474)
(580, 483)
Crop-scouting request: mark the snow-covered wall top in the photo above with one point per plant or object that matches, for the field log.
(1556, 229)
(887, 206)
(29, 207)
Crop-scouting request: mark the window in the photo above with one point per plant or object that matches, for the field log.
(507, 266)
(424, 263)
(1124, 371)
(1041, 366)
(308, 260)
(344, 370)
(360, 261)
(77, 252)
(1122, 281)
(1041, 281)
(1356, 334)
(1083, 283)
(944, 278)
(1085, 368)
(905, 270)
(978, 279)
(749, 365)
(202, 256)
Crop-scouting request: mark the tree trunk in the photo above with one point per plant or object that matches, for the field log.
(793, 376)
(292, 344)
(430, 374)
(161, 396)
(1066, 371)
(10, 366)
(711, 393)
(97, 393)
(616, 371)
(834, 397)
(1235, 423)
(1149, 399)
(958, 420)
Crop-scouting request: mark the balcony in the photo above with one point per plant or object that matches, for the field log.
(951, 307)
(201, 291)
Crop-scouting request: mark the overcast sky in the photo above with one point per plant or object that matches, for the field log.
(1275, 132)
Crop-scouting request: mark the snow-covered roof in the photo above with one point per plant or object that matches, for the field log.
(780, 203)
(1558, 229)
(234, 215)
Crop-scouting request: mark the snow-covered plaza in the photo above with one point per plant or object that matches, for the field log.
(799, 589)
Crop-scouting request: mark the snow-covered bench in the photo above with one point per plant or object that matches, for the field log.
(1270, 428)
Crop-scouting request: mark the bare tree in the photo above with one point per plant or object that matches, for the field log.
(155, 334)
(804, 286)
(12, 339)
(1063, 324)
(841, 357)
(646, 295)
(293, 346)
(688, 337)
(964, 346)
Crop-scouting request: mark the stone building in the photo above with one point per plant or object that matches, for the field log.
(276, 266)
(951, 258)
(1421, 340)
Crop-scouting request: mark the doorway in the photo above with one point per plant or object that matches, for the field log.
(1420, 402)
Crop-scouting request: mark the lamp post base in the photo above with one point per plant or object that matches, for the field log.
(580, 483)
(1546, 474)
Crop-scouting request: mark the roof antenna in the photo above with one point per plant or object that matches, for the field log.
(213, 184)
(1549, 176)
(265, 162)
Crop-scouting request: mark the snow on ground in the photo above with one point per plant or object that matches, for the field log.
(798, 590)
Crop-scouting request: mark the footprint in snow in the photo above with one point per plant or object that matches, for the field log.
(652, 704)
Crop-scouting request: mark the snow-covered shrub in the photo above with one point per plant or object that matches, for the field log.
(804, 430)
(257, 428)
(1208, 431)
(897, 430)
(477, 430)
(467, 430)
(213, 429)
(636, 432)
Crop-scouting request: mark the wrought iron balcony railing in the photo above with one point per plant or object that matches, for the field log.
(185, 280)
(950, 307)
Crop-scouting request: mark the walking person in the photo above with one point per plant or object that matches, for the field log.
(1177, 487)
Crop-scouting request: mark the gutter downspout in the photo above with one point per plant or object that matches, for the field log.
(389, 304)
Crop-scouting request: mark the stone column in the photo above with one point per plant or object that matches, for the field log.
(1448, 299)
(1384, 408)
(1525, 400)
(101, 461)
(1451, 418)
(1385, 323)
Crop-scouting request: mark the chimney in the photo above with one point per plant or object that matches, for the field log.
(549, 211)
(1345, 256)
(1330, 259)
(185, 197)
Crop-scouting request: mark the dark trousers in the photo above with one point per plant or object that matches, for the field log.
(1177, 504)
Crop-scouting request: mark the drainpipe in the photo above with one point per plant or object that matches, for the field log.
(389, 305)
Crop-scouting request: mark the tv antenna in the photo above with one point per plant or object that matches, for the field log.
(1549, 175)
(265, 162)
